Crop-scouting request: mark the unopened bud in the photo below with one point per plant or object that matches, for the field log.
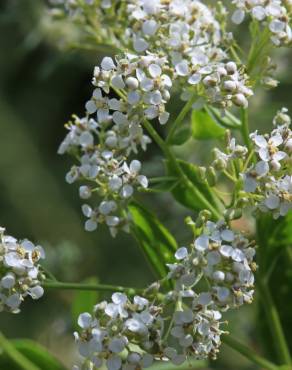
(231, 68)
(240, 100)
(202, 174)
(132, 83)
(230, 85)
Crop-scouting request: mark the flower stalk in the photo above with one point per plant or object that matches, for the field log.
(95, 287)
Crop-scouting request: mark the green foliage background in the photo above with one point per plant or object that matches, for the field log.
(41, 85)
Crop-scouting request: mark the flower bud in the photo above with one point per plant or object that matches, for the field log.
(230, 85)
(240, 100)
(231, 68)
(132, 83)
(202, 174)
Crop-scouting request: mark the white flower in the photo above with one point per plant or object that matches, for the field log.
(273, 14)
(269, 179)
(111, 336)
(222, 256)
(19, 272)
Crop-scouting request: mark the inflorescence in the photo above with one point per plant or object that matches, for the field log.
(170, 45)
(186, 322)
(19, 272)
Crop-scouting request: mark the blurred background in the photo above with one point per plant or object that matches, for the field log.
(41, 85)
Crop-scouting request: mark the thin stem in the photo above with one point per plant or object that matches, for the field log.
(245, 128)
(98, 287)
(180, 117)
(274, 323)
(155, 180)
(229, 176)
(235, 55)
(248, 353)
(170, 156)
(17, 357)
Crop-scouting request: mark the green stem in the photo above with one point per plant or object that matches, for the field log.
(248, 353)
(235, 55)
(170, 156)
(180, 117)
(274, 323)
(15, 355)
(97, 287)
(245, 128)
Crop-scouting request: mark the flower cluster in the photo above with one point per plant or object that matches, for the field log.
(224, 85)
(103, 143)
(197, 334)
(189, 35)
(275, 14)
(186, 31)
(104, 172)
(232, 151)
(187, 323)
(79, 9)
(19, 272)
(120, 334)
(269, 180)
(225, 259)
(143, 84)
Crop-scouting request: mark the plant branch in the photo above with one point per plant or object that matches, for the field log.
(170, 156)
(97, 287)
(17, 357)
(248, 353)
(274, 323)
(245, 128)
(180, 117)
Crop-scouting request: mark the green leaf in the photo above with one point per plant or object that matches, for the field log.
(274, 257)
(156, 241)
(272, 237)
(204, 127)
(84, 301)
(184, 195)
(181, 136)
(33, 351)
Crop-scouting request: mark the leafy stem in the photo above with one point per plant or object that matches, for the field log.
(245, 128)
(172, 159)
(181, 116)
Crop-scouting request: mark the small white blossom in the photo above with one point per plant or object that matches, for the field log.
(224, 258)
(108, 335)
(268, 181)
(20, 275)
(273, 14)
